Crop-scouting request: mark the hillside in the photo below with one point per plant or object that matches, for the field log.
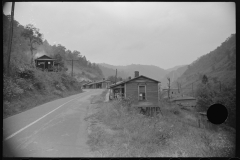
(219, 66)
(21, 54)
(82, 68)
(26, 86)
(147, 70)
(174, 74)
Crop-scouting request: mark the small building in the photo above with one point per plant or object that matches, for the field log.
(140, 88)
(173, 93)
(185, 101)
(99, 84)
(46, 63)
(85, 85)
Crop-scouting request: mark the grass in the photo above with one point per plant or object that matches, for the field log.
(119, 131)
(31, 100)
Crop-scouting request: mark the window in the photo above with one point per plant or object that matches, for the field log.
(142, 93)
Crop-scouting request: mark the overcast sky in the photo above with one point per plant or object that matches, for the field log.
(164, 34)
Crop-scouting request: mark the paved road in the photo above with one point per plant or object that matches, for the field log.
(54, 129)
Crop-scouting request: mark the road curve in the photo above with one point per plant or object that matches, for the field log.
(54, 129)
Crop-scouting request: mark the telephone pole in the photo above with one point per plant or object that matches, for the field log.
(72, 65)
(10, 40)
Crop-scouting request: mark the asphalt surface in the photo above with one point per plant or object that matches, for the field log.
(54, 129)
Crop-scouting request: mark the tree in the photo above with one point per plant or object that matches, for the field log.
(35, 37)
(204, 79)
(10, 39)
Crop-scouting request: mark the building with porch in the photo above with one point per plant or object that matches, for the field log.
(139, 88)
(46, 63)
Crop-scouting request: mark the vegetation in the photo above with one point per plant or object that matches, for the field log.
(26, 86)
(34, 36)
(214, 92)
(218, 64)
(118, 130)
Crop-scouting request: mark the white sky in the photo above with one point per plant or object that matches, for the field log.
(164, 34)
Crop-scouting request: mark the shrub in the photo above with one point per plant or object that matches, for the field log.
(210, 94)
(57, 92)
(10, 88)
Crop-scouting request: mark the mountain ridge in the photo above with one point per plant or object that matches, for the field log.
(151, 71)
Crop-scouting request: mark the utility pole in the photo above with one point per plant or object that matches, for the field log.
(10, 40)
(72, 65)
(116, 77)
(192, 89)
(168, 86)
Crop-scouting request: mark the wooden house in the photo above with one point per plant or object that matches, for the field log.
(46, 63)
(139, 88)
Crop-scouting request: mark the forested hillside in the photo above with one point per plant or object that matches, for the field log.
(218, 65)
(212, 79)
(26, 86)
(21, 54)
(107, 72)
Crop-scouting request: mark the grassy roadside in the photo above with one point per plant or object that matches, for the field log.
(31, 100)
(117, 130)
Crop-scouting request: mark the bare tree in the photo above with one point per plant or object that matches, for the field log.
(168, 78)
(10, 40)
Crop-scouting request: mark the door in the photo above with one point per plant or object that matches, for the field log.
(142, 93)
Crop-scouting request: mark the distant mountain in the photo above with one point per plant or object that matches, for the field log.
(174, 74)
(175, 68)
(111, 71)
(218, 65)
(126, 71)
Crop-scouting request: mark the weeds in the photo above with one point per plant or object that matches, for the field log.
(122, 131)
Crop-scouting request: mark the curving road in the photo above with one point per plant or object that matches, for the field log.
(54, 129)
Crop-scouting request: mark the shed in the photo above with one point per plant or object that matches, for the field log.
(99, 84)
(85, 85)
(46, 63)
(140, 88)
(173, 93)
